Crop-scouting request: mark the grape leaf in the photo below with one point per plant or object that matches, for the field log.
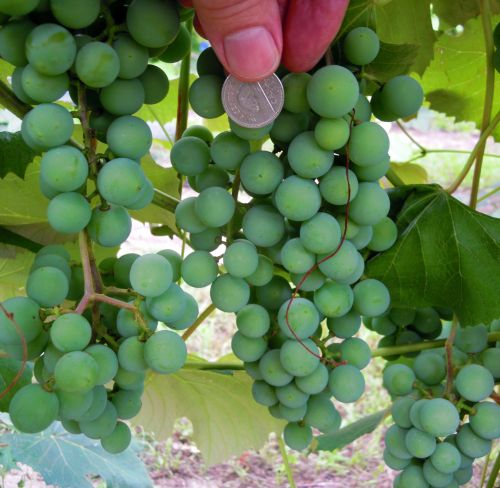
(392, 60)
(67, 460)
(8, 370)
(410, 173)
(454, 83)
(350, 433)
(360, 13)
(14, 267)
(460, 11)
(226, 420)
(15, 155)
(446, 255)
(6, 70)
(10, 237)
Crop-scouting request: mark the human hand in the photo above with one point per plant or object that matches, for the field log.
(252, 37)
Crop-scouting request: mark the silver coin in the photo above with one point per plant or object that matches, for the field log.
(253, 105)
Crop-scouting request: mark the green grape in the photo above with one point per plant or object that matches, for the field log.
(272, 370)
(133, 57)
(190, 156)
(474, 382)
(50, 49)
(297, 198)
(118, 440)
(99, 400)
(383, 325)
(47, 286)
(42, 88)
(371, 298)
(472, 339)
(127, 403)
(307, 158)
(369, 144)
(127, 324)
(361, 46)
(332, 91)
(490, 358)
(205, 96)
(54, 249)
(46, 126)
(26, 313)
(206, 240)
(398, 379)
(344, 326)
(153, 23)
(169, 306)
(384, 235)
(342, 264)
(297, 436)
(334, 188)
(290, 414)
(346, 383)
(253, 370)
(471, 444)
(64, 168)
(74, 14)
(261, 172)
(314, 382)
(151, 275)
(295, 257)
(103, 425)
(50, 357)
(362, 110)
(127, 380)
(333, 299)
(109, 227)
(299, 362)
(430, 368)
(332, 134)
(74, 405)
(212, 176)
(16, 84)
(263, 225)
(120, 181)
(320, 234)
(356, 352)
(122, 97)
(264, 272)
(395, 442)
(363, 237)
(214, 206)
(435, 477)
(165, 352)
(322, 414)
(32, 409)
(415, 413)
(373, 172)
(446, 458)
(199, 269)
(303, 318)
(420, 444)
(13, 37)
(70, 332)
(228, 150)
(413, 477)
(402, 96)
(178, 48)
(129, 137)
(131, 355)
(69, 213)
(380, 109)
(199, 131)
(97, 64)
(209, 64)
(463, 476)
(264, 394)
(295, 85)
(400, 411)
(394, 462)
(427, 321)
(250, 134)
(289, 125)
(76, 372)
(253, 320)
(71, 426)
(145, 197)
(241, 258)
(248, 349)
(34, 348)
(186, 217)
(229, 293)
(106, 360)
(290, 396)
(272, 295)
(175, 260)
(438, 417)
(486, 421)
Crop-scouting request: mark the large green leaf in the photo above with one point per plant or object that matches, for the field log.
(446, 255)
(226, 420)
(14, 267)
(67, 460)
(392, 60)
(359, 13)
(454, 83)
(454, 12)
(15, 155)
(350, 433)
(8, 370)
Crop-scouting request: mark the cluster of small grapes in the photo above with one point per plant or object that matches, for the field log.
(90, 359)
(438, 432)
(315, 205)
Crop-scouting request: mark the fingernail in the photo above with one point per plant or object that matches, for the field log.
(251, 54)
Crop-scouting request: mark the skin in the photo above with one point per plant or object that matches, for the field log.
(252, 37)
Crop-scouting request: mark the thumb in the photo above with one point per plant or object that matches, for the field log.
(246, 35)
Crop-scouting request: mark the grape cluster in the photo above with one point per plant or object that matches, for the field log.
(438, 432)
(91, 349)
(316, 210)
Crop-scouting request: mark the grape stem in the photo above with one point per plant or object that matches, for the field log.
(494, 473)
(286, 462)
(201, 318)
(448, 347)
